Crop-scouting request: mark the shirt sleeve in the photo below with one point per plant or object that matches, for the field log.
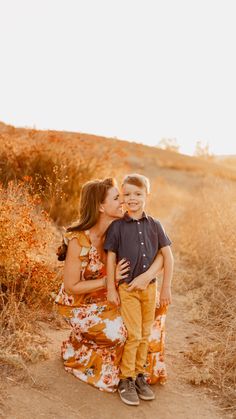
(163, 239)
(112, 238)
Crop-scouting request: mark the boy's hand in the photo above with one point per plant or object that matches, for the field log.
(113, 297)
(138, 283)
(165, 296)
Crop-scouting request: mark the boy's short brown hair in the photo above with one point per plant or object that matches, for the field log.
(137, 180)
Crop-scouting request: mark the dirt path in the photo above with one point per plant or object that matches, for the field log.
(57, 394)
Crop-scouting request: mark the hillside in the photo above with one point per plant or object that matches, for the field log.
(120, 153)
(173, 176)
(41, 173)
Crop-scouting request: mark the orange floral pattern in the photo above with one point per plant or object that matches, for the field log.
(155, 367)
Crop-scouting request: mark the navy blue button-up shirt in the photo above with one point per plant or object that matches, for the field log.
(136, 240)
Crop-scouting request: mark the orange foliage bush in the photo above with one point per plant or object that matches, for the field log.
(25, 234)
(28, 274)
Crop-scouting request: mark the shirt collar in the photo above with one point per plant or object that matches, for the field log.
(128, 218)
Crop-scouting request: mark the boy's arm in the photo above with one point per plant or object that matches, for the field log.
(165, 294)
(142, 281)
(112, 294)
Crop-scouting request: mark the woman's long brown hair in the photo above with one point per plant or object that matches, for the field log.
(93, 194)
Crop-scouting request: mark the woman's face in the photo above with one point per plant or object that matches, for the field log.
(112, 205)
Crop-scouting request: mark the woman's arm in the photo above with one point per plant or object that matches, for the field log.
(72, 271)
(112, 294)
(141, 281)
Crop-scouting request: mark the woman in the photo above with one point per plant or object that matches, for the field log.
(94, 348)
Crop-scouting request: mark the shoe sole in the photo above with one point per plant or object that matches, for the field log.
(146, 397)
(141, 396)
(127, 401)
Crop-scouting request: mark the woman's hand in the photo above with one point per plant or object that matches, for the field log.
(165, 296)
(122, 269)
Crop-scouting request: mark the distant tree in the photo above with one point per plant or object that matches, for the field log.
(202, 150)
(169, 144)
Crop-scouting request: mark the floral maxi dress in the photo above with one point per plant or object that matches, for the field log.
(94, 348)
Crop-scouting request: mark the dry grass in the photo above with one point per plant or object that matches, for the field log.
(53, 172)
(206, 244)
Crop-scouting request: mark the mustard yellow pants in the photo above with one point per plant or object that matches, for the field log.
(137, 311)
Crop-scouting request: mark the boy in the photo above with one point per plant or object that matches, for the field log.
(138, 238)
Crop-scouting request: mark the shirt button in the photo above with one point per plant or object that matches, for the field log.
(144, 255)
(144, 266)
(138, 222)
(142, 243)
(140, 232)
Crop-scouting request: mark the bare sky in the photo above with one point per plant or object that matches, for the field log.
(137, 70)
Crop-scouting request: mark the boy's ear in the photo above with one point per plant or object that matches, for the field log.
(147, 201)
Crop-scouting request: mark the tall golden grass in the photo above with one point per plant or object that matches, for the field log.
(206, 242)
(56, 175)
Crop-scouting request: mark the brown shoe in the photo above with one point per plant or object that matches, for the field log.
(143, 389)
(127, 391)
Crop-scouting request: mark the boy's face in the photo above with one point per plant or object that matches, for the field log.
(134, 198)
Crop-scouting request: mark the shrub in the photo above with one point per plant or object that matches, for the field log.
(28, 276)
